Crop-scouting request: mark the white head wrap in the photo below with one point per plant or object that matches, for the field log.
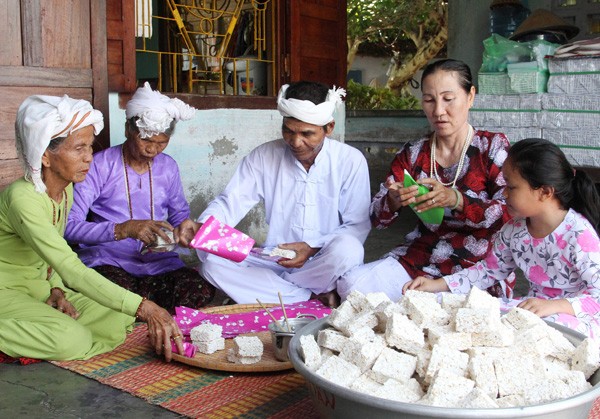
(156, 111)
(306, 111)
(43, 118)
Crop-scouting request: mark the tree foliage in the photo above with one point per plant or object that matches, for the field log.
(392, 23)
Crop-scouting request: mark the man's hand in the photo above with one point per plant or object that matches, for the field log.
(545, 308)
(143, 230)
(185, 232)
(303, 253)
(58, 300)
(422, 283)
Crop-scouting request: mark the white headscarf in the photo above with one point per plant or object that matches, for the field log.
(307, 111)
(156, 111)
(40, 119)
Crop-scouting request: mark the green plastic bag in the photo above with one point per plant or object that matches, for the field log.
(431, 216)
(498, 52)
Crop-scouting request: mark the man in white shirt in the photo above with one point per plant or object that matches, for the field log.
(316, 195)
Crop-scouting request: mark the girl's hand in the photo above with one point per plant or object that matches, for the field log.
(422, 283)
(162, 329)
(545, 308)
(58, 300)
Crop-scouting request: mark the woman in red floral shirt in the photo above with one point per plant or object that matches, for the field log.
(466, 181)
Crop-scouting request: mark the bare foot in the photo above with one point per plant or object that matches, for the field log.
(330, 299)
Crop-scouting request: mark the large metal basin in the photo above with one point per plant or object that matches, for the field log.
(334, 401)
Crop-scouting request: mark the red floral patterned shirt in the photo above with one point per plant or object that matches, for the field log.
(464, 237)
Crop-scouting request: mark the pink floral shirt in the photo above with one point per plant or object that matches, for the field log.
(564, 264)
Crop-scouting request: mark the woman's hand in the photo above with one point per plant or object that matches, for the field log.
(545, 308)
(146, 231)
(438, 196)
(185, 232)
(162, 329)
(58, 300)
(422, 283)
(303, 253)
(398, 196)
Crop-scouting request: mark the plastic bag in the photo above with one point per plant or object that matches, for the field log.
(499, 52)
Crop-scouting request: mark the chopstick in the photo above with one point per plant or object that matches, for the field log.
(287, 323)
(270, 314)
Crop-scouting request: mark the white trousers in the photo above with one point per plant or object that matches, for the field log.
(384, 275)
(255, 278)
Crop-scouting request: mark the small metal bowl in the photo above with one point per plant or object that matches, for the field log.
(280, 337)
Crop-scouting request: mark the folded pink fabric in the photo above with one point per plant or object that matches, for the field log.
(252, 321)
(222, 240)
(189, 349)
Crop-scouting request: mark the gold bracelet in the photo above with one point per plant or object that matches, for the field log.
(457, 199)
(139, 309)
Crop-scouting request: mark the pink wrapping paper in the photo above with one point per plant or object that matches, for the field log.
(248, 322)
(189, 349)
(221, 240)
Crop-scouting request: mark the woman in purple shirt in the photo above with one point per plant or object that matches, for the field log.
(131, 198)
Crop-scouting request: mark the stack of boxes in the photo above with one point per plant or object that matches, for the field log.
(568, 114)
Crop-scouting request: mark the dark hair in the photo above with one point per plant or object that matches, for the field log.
(55, 143)
(307, 90)
(131, 124)
(542, 163)
(460, 68)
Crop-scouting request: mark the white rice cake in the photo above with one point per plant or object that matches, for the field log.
(310, 352)
(365, 384)
(477, 298)
(586, 357)
(338, 371)
(362, 354)
(481, 370)
(284, 253)
(232, 356)
(476, 320)
(248, 346)
(516, 374)
(342, 315)
(206, 332)
(478, 399)
(446, 358)
(406, 392)
(404, 334)
(448, 389)
(520, 319)
(514, 400)
(425, 311)
(500, 337)
(331, 339)
(211, 346)
(393, 364)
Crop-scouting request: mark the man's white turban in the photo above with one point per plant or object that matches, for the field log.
(156, 111)
(306, 111)
(40, 119)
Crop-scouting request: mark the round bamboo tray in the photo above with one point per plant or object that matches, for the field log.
(218, 360)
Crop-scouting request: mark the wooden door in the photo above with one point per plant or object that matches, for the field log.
(313, 34)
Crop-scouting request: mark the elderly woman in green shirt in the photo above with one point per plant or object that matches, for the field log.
(51, 305)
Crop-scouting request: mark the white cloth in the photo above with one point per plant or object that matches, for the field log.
(156, 111)
(384, 275)
(329, 200)
(306, 111)
(256, 278)
(43, 118)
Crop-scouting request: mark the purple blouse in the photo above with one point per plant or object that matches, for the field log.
(103, 195)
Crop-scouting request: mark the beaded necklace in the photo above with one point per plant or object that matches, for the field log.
(127, 187)
(433, 170)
